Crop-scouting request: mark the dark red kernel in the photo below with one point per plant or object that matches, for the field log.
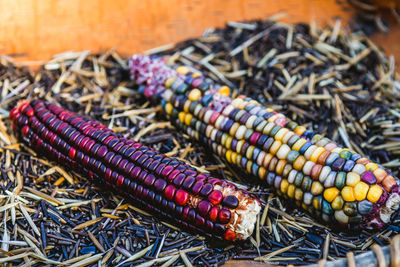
(224, 216)
(181, 197)
(169, 192)
(229, 235)
(215, 197)
(204, 207)
(213, 215)
(199, 221)
(72, 153)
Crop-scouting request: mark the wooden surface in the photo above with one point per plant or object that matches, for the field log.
(33, 30)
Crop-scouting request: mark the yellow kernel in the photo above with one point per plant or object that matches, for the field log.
(281, 133)
(374, 193)
(317, 203)
(228, 142)
(262, 172)
(168, 108)
(299, 163)
(239, 145)
(300, 130)
(233, 157)
(194, 95)
(348, 193)
(234, 128)
(249, 152)
(284, 186)
(224, 90)
(196, 74)
(331, 193)
(298, 194)
(352, 178)
(169, 82)
(188, 119)
(316, 188)
(361, 190)
(371, 166)
(317, 152)
(299, 143)
(182, 70)
(280, 166)
(290, 191)
(248, 166)
(337, 203)
(181, 117)
(228, 155)
(275, 147)
(186, 106)
(223, 138)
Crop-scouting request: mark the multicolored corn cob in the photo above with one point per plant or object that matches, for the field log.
(163, 185)
(334, 183)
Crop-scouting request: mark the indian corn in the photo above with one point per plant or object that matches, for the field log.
(163, 185)
(334, 183)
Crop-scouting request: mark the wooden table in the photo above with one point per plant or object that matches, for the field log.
(32, 31)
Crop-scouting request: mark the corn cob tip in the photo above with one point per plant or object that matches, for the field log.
(336, 184)
(163, 185)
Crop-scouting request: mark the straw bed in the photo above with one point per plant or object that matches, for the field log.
(51, 215)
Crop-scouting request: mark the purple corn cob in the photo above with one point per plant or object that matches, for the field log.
(333, 183)
(163, 185)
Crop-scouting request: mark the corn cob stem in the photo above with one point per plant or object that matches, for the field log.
(163, 185)
(331, 182)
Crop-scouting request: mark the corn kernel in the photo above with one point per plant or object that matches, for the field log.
(315, 155)
(168, 108)
(337, 203)
(284, 186)
(331, 193)
(371, 166)
(298, 194)
(352, 178)
(291, 190)
(181, 117)
(374, 193)
(228, 155)
(300, 130)
(280, 134)
(316, 188)
(182, 70)
(194, 94)
(299, 144)
(188, 119)
(380, 174)
(224, 90)
(348, 193)
(388, 183)
(169, 82)
(361, 190)
(299, 163)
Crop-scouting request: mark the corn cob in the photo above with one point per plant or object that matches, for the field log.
(331, 182)
(163, 185)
